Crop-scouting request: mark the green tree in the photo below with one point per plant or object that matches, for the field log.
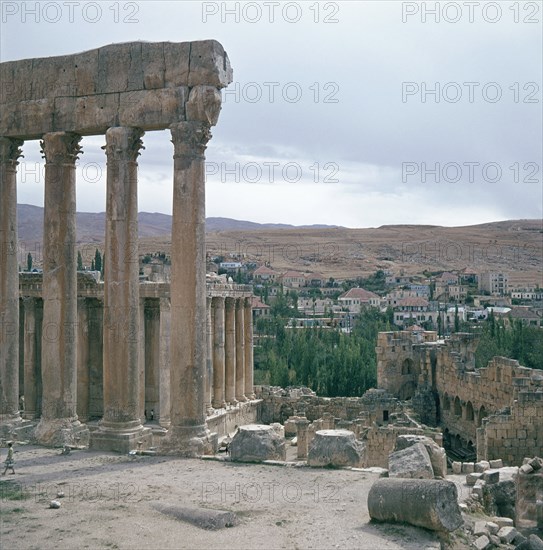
(79, 261)
(29, 262)
(97, 260)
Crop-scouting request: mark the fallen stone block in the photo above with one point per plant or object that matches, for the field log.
(526, 469)
(535, 542)
(536, 463)
(256, 443)
(491, 476)
(471, 479)
(481, 466)
(335, 448)
(478, 488)
(492, 527)
(413, 462)
(204, 518)
(495, 540)
(438, 457)
(480, 528)
(482, 543)
(498, 463)
(507, 534)
(428, 503)
(503, 522)
(457, 468)
(468, 467)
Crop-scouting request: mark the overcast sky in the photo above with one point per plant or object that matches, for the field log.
(340, 112)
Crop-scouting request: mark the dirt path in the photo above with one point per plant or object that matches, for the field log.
(109, 498)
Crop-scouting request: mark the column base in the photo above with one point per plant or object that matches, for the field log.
(242, 399)
(9, 423)
(121, 438)
(59, 432)
(186, 441)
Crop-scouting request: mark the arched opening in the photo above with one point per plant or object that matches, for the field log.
(457, 407)
(482, 414)
(407, 391)
(469, 411)
(407, 366)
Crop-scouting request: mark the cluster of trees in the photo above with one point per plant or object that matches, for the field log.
(330, 362)
(517, 341)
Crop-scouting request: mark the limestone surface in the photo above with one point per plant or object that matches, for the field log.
(427, 503)
(256, 443)
(149, 85)
(438, 458)
(412, 462)
(335, 448)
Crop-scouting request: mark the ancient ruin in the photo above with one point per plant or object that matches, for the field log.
(181, 349)
(494, 412)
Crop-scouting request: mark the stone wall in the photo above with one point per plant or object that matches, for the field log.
(447, 390)
(278, 405)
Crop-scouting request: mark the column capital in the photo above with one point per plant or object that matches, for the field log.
(123, 143)
(248, 303)
(10, 151)
(61, 147)
(190, 139)
(217, 302)
(230, 303)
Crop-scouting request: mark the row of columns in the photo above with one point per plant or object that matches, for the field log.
(122, 353)
(154, 363)
(230, 351)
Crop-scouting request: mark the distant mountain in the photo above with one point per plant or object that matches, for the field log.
(91, 226)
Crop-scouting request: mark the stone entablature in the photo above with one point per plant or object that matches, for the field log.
(30, 285)
(146, 85)
(459, 397)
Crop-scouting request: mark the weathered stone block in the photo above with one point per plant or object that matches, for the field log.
(413, 462)
(457, 468)
(209, 64)
(152, 109)
(256, 443)
(482, 542)
(468, 467)
(438, 457)
(335, 448)
(498, 463)
(491, 476)
(481, 466)
(480, 528)
(471, 479)
(507, 534)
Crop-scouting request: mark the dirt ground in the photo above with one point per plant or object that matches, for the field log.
(108, 503)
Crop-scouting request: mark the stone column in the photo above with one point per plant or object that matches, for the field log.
(240, 351)
(230, 351)
(82, 360)
(249, 362)
(30, 359)
(302, 425)
(164, 363)
(142, 363)
(121, 429)
(218, 352)
(151, 354)
(209, 357)
(59, 424)
(9, 286)
(188, 434)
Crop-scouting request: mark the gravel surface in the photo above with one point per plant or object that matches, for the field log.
(110, 501)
